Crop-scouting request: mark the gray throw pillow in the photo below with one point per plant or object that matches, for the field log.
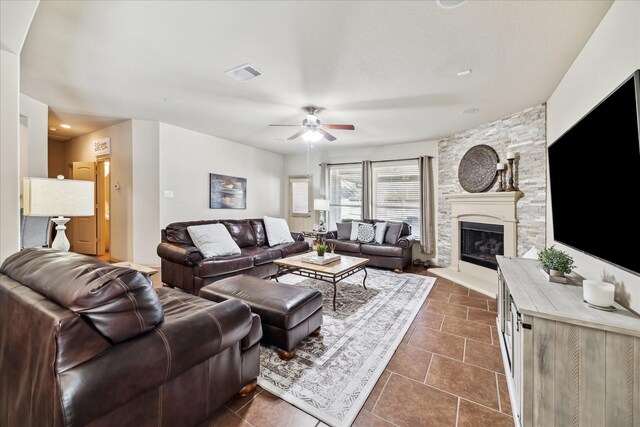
(344, 230)
(366, 233)
(381, 231)
(393, 232)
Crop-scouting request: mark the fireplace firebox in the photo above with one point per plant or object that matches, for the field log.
(480, 243)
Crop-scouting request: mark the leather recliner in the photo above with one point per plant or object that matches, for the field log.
(182, 264)
(83, 342)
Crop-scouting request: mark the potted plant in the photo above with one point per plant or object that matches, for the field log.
(555, 263)
(321, 249)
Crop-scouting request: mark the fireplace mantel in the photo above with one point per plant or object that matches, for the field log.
(489, 208)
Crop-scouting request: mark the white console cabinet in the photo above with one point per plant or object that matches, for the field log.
(567, 364)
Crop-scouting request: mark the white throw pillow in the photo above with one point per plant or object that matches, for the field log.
(213, 240)
(354, 230)
(381, 232)
(277, 231)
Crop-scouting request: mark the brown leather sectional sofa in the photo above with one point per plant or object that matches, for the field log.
(394, 256)
(83, 342)
(183, 266)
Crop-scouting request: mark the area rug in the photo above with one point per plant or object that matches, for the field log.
(332, 375)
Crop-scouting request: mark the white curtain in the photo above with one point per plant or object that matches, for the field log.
(426, 205)
(366, 190)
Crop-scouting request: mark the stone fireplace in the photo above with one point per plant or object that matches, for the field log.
(483, 225)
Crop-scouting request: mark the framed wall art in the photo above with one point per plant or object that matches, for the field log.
(227, 192)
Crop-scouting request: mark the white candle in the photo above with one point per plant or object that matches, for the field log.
(598, 293)
(510, 155)
(500, 166)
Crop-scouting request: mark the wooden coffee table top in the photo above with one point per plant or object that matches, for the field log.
(345, 264)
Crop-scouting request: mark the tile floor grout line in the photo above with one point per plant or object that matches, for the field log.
(426, 375)
(381, 391)
(498, 390)
(383, 419)
(464, 351)
(457, 410)
(484, 406)
(248, 401)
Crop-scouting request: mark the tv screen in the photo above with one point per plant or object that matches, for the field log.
(594, 172)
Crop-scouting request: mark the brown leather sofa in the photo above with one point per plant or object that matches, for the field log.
(83, 342)
(183, 266)
(394, 256)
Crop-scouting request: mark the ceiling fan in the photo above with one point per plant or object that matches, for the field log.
(313, 130)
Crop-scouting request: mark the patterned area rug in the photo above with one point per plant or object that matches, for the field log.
(332, 375)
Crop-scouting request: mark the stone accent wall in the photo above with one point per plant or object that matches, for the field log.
(524, 133)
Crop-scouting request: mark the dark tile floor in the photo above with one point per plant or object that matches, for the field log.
(447, 372)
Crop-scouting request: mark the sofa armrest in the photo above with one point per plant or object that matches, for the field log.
(333, 234)
(180, 254)
(194, 331)
(297, 237)
(406, 241)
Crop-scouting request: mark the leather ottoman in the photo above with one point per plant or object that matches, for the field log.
(289, 314)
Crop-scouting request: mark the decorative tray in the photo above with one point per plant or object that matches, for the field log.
(328, 258)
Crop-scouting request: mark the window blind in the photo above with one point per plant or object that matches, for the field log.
(396, 192)
(345, 193)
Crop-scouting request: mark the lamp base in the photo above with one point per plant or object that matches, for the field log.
(61, 242)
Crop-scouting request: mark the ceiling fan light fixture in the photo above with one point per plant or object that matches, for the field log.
(312, 136)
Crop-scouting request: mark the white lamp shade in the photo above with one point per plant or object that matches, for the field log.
(321, 204)
(63, 197)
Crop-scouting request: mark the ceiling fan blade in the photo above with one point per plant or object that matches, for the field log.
(327, 135)
(286, 125)
(341, 127)
(294, 136)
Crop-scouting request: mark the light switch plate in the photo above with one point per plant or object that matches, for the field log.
(168, 193)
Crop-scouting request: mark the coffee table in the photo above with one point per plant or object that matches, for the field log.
(331, 273)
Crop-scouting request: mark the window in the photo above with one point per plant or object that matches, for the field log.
(396, 192)
(300, 196)
(345, 193)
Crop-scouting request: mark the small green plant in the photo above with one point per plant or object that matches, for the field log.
(555, 259)
(321, 249)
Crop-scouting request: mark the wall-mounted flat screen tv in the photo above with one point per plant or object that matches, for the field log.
(594, 172)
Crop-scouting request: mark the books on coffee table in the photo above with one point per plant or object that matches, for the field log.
(326, 259)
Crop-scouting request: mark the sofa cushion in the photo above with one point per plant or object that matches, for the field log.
(381, 250)
(259, 231)
(218, 266)
(289, 249)
(242, 233)
(393, 232)
(380, 231)
(213, 240)
(366, 233)
(346, 246)
(344, 230)
(277, 231)
(177, 232)
(262, 255)
(119, 302)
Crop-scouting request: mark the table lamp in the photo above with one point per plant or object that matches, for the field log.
(62, 197)
(321, 205)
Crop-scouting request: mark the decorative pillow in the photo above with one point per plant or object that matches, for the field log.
(380, 231)
(344, 230)
(354, 230)
(366, 233)
(277, 231)
(393, 232)
(213, 240)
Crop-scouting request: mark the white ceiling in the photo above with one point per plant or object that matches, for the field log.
(389, 68)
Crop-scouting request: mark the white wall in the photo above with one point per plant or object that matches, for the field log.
(186, 160)
(80, 149)
(35, 115)
(15, 21)
(146, 191)
(296, 164)
(611, 55)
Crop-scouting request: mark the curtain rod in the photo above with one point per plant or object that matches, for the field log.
(373, 161)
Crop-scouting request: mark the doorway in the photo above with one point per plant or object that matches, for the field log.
(91, 235)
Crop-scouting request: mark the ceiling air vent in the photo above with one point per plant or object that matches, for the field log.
(243, 73)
